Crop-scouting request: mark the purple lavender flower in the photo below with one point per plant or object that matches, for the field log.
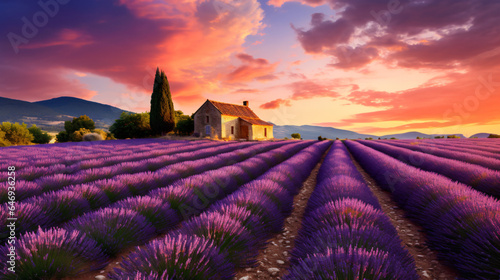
(53, 254)
(157, 212)
(114, 229)
(178, 257)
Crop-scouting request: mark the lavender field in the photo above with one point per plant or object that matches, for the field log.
(163, 209)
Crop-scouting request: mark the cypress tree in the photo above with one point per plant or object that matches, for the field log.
(162, 119)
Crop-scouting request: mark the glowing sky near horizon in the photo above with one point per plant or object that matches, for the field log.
(372, 66)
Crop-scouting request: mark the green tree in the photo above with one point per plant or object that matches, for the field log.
(132, 126)
(452, 136)
(162, 117)
(295, 135)
(40, 136)
(16, 134)
(77, 123)
(184, 124)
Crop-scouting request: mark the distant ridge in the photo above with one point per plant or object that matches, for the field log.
(481, 135)
(51, 114)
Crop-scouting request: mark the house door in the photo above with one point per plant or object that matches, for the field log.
(244, 131)
(208, 130)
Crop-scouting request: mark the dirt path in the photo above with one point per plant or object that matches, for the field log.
(413, 236)
(273, 261)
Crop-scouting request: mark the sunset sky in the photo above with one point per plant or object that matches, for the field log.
(372, 66)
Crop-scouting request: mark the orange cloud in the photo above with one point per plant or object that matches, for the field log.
(275, 104)
(252, 69)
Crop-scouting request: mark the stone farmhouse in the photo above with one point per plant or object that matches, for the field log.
(229, 121)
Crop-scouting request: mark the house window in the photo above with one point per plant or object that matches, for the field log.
(265, 131)
(232, 129)
(208, 119)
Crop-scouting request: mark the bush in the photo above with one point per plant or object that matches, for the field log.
(40, 137)
(62, 136)
(92, 137)
(16, 134)
(321, 138)
(78, 123)
(184, 125)
(77, 136)
(295, 135)
(452, 136)
(3, 142)
(131, 126)
(493, 136)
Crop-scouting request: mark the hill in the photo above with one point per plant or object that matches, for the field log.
(481, 135)
(51, 114)
(312, 132)
(415, 134)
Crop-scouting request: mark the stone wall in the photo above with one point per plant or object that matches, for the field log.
(207, 109)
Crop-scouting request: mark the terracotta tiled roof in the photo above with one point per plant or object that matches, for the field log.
(257, 121)
(234, 110)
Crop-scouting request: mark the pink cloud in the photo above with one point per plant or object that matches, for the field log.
(275, 104)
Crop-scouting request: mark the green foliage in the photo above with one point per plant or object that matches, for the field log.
(16, 134)
(452, 136)
(104, 134)
(132, 126)
(162, 119)
(39, 136)
(77, 123)
(77, 136)
(493, 136)
(62, 136)
(295, 135)
(369, 138)
(3, 142)
(184, 124)
(438, 137)
(394, 138)
(321, 138)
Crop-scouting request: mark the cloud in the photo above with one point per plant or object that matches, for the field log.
(412, 34)
(466, 99)
(125, 40)
(252, 69)
(275, 104)
(313, 3)
(307, 89)
(324, 33)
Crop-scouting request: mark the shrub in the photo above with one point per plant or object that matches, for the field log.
(295, 135)
(78, 123)
(131, 126)
(493, 136)
(77, 136)
(62, 136)
(3, 142)
(452, 136)
(16, 134)
(39, 136)
(92, 137)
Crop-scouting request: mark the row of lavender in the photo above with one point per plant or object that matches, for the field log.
(461, 224)
(485, 159)
(56, 207)
(229, 235)
(74, 151)
(481, 178)
(58, 181)
(465, 146)
(59, 163)
(88, 241)
(345, 234)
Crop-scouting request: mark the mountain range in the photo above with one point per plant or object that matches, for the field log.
(51, 114)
